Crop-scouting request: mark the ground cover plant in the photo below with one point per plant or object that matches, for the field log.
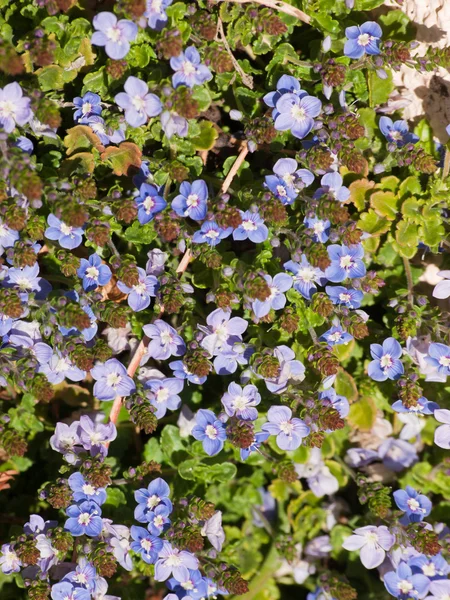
(223, 304)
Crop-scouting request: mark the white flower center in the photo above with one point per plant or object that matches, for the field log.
(92, 272)
(386, 361)
(62, 366)
(162, 395)
(95, 438)
(288, 179)
(114, 34)
(158, 521)
(211, 432)
(187, 585)
(153, 501)
(306, 274)
(113, 379)
(395, 135)
(319, 227)
(140, 289)
(66, 229)
(346, 261)
(192, 200)
(414, 505)
(281, 190)
(80, 578)
(364, 39)
(148, 203)
(249, 225)
(188, 68)
(212, 234)
(344, 297)
(444, 361)
(86, 108)
(429, 570)
(239, 402)
(405, 586)
(138, 102)
(7, 109)
(287, 427)
(336, 336)
(298, 113)
(146, 544)
(173, 560)
(371, 537)
(155, 6)
(166, 338)
(84, 519)
(88, 489)
(10, 557)
(24, 284)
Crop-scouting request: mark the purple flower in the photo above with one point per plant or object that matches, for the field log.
(277, 300)
(210, 431)
(67, 236)
(433, 567)
(112, 380)
(163, 394)
(339, 403)
(156, 13)
(386, 363)
(285, 85)
(290, 369)
(336, 336)
(404, 585)
(188, 69)
(192, 200)
(397, 132)
(319, 477)
(231, 355)
(360, 457)
(26, 280)
(363, 40)
(193, 588)
(439, 357)
(158, 519)
(66, 437)
(241, 402)
(14, 107)
(24, 144)
(139, 294)
(9, 561)
(93, 272)
(289, 431)
(415, 505)
(95, 436)
(442, 433)
(113, 34)
(222, 330)
(138, 104)
(347, 296)
(373, 542)
(84, 519)
(305, 276)
(331, 185)
(345, 262)
(181, 371)
(149, 203)
(297, 114)
(288, 180)
(210, 233)
(83, 490)
(174, 562)
(145, 544)
(423, 407)
(440, 590)
(252, 228)
(320, 229)
(8, 237)
(397, 454)
(106, 134)
(259, 439)
(441, 290)
(85, 575)
(60, 367)
(174, 124)
(164, 341)
(87, 106)
(156, 494)
(64, 590)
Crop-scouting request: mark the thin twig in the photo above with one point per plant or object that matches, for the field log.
(279, 5)
(313, 334)
(221, 37)
(235, 168)
(409, 280)
(184, 262)
(446, 169)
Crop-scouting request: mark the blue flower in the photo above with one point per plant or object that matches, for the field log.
(156, 494)
(93, 272)
(156, 13)
(336, 336)
(138, 104)
(210, 233)
(281, 283)
(339, 403)
(415, 505)
(174, 562)
(64, 590)
(439, 357)
(9, 561)
(113, 34)
(188, 69)
(158, 519)
(320, 229)
(87, 106)
(241, 402)
(163, 394)
(145, 544)
(164, 341)
(363, 40)
(139, 294)
(260, 438)
(83, 490)
(345, 263)
(423, 407)
(107, 135)
(433, 567)
(289, 431)
(288, 180)
(231, 355)
(112, 380)
(285, 85)
(305, 276)
(331, 185)
(252, 228)
(14, 107)
(297, 114)
(347, 296)
(84, 519)
(195, 586)
(397, 132)
(149, 203)
(181, 371)
(85, 575)
(210, 431)
(192, 200)
(386, 363)
(174, 124)
(67, 236)
(397, 454)
(404, 585)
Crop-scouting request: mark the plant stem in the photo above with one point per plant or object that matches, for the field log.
(279, 5)
(446, 169)
(409, 280)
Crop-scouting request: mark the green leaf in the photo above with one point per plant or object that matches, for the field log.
(371, 223)
(96, 82)
(396, 26)
(362, 414)
(152, 451)
(379, 89)
(359, 192)
(203, 97)
(345, 386)
(81, 137)
(425, 133)
(140, 234)
(122, 157)
(384, 204)
(194, 470)
(407, 234)
(171, 440)
(115, 497)
(208, 135)
(51, 78)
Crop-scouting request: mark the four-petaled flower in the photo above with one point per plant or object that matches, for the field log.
(397, 132)
(289, 430)
(114, 35)
(252, 227)
(320, 229)
(145, 544)
(138, 104)
(174, 562)
(415, 505)
(149, 203)
(156, 494)
(288, 180)
(281, 283)
(305, 276)
(155, 12)
(84, 519)
(347, 296)
(332, 185)
(68, 237)
(188, 69)
(14, 107)
(140, 293)
(345, 263)
(192, 200)
(86, 107)
(403, 584)
(163, 394)
(210, 431)
(164, 341)
(210, 233)
(297, 114)
(442, 433)
(363, 40)
(241, 402)
(439, 357)
(93, 272)
(112, 380)
(373, 542)
(386, 363)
